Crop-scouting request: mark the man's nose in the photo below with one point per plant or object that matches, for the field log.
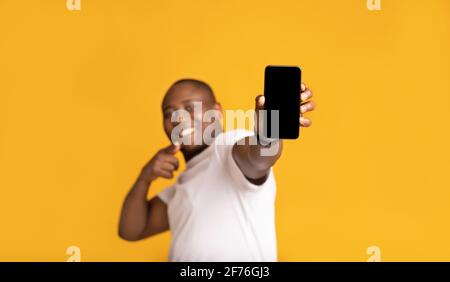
(180, 117)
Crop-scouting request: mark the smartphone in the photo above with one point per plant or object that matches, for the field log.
(282, 101)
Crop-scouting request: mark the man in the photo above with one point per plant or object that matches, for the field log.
(221, 207)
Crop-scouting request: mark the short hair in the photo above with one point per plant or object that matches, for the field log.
(196, 83)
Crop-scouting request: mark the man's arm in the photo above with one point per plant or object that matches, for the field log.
(252, 163)
(249, 158)
(141, 218)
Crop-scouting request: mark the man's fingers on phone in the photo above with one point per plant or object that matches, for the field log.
(260, 99)
(307, 107)
(305, 95)
(305, 122)
(303, 87)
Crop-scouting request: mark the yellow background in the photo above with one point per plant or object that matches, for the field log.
(80, 95)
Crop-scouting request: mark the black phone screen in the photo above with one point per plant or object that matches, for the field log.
(282, 94)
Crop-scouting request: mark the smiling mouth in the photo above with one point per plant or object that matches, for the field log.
(186, 131)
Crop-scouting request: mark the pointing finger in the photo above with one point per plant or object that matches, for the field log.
(172, 148)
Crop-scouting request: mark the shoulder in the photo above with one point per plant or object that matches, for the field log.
(223, 143)
(223, 152)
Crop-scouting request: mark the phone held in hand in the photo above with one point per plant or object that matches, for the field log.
(282, 102)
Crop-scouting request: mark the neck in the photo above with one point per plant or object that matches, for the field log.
(188, 155)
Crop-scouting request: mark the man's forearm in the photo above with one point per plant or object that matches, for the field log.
(252, 160)
(133, 219)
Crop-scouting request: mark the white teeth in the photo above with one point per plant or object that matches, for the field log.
(186, 131)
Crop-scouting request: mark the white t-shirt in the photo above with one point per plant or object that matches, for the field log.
(216, 214)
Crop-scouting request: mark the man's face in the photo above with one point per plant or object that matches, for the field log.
(184, 96)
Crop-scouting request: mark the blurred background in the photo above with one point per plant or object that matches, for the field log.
(80, 95)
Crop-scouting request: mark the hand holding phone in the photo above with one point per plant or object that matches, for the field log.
(282, 87)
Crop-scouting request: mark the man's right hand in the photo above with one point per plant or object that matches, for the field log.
(141, 218)
(163, 164)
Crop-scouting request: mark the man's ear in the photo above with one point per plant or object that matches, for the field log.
(218, 107)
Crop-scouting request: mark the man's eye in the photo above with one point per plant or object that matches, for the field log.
(167, 115)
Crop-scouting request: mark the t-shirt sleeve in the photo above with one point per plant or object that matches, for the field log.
(167, 194)
(224, 149)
